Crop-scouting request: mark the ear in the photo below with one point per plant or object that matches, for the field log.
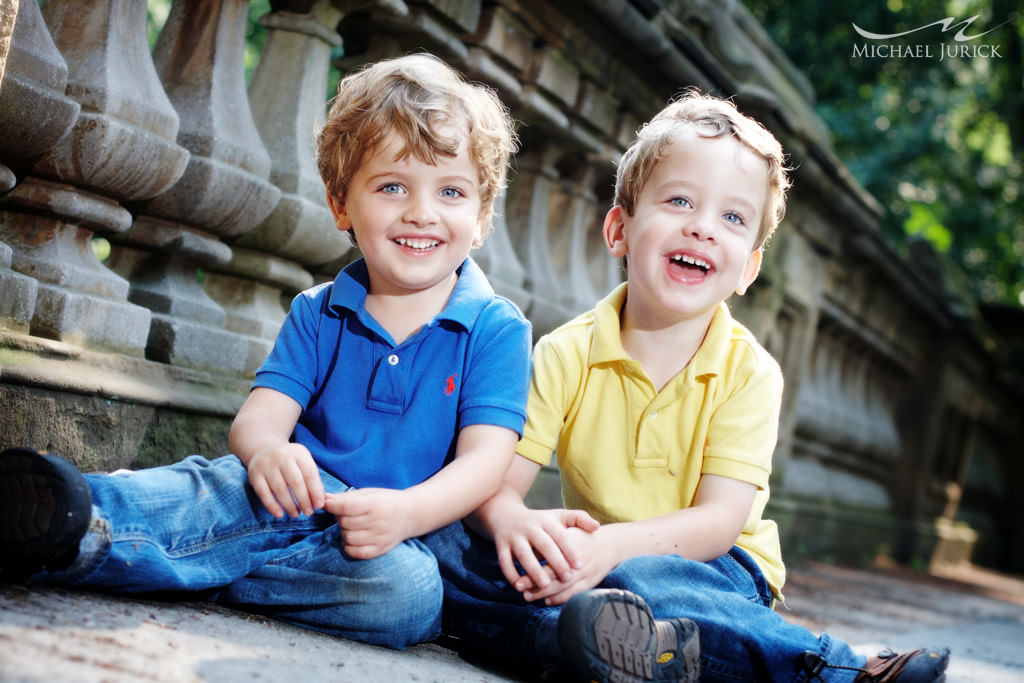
(483, 226)
(341, 219)
(615, 232)
(750, 271)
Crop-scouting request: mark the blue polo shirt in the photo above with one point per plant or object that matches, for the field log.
(376, 413)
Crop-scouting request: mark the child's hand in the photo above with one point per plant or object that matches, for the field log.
(533, 535)
(597, 559)
(373, 521)
(286, 479)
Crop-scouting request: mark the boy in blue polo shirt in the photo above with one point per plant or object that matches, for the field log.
(389, 406)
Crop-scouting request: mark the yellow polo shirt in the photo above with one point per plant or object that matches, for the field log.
(627, 452)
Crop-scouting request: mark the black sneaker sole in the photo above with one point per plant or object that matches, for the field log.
(45, 508)
(611, 636)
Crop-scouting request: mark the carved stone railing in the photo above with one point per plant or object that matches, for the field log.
(202, 198)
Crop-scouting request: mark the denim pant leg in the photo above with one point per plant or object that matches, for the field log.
(392, 600)
(742, 638)
(198, 526)
(195, 525)
(482, 609)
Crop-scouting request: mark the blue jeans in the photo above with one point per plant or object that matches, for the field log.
(197, 526)
(742, 638)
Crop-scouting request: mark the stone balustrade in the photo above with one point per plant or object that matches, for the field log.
(896, 422)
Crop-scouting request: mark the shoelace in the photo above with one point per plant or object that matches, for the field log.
(886, 667)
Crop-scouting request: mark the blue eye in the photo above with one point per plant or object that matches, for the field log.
(391, 188)
(681, 201)
(451, 193)
(733, 218)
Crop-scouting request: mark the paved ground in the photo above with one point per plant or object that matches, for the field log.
(59, 635)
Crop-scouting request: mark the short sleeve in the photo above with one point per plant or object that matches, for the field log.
(498, 369)
(552, 389)
(744, 428)
(291, 365)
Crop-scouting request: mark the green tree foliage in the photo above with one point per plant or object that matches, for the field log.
(936, 141)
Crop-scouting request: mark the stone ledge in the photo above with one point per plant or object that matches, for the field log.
(58, 366)
(108, 411)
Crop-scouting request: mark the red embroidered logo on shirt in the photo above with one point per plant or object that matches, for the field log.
(449, 386)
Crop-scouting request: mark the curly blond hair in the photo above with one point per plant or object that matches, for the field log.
(708, 117)
(432, 107)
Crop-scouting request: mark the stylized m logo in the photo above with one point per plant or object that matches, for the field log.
(946, 24)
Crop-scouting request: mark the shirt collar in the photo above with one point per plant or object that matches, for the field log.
(471, 294)
(711, 354)
(606, 345)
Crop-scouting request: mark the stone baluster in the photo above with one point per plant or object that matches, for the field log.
(8, 13)
(122, 145)
(856, 379)
(34, 114)
(837, 406)
(287, 95)
(120, 148)
(528, 203)
(499, 54)
(597, 111)
(574, 219)
(605, 272)
(884, 391)
(19, 299)
(497, 257)
(34, 111)
(223, 192)
(815, 401)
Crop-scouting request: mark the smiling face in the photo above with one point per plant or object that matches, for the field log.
(690, 240)
(414, 222)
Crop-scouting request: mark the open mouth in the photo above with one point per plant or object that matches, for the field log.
(690, 264)
(417, 244)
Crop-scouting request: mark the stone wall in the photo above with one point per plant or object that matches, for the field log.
(899, 429)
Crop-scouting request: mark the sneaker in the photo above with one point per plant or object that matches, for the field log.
(927, 665)
(920, 666)
(45, 508)
(611, 636)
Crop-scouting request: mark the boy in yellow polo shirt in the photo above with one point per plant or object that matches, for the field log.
(663, 411)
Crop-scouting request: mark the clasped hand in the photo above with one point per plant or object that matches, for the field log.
(561, 553)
